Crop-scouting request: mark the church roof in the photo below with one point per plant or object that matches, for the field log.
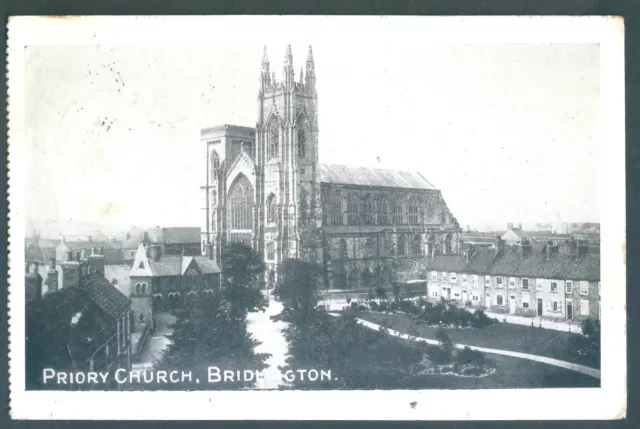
(177, 265)
(363, 176)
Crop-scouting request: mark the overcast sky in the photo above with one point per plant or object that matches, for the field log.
(507, 132)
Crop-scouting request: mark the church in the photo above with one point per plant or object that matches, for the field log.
(265, 187)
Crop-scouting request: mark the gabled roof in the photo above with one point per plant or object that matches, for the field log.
(105, 295)
(177, 265)
(362, 176)
(479, 262)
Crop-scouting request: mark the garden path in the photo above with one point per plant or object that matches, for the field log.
(542, 359)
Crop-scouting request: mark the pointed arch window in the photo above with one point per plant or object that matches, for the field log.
(352, 210)
(447, 243)
(402, 245)
(274, 139)
(215, 164)
(302, 141)
(367, 210)
(271, 209)
(416, 245)
(413, 211)
(241, 204)
(271, 251)
(381, 210)
(333, 208)
(396, 209)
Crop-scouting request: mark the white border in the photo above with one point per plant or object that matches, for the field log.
(607, 402)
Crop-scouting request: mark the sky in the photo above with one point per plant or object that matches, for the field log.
(507, 132)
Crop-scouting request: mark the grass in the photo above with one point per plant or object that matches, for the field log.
(504, 336)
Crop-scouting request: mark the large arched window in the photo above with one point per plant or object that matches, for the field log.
(402, 245)
(381, 210)
(215, 164)
(367, 210)
(302, 140)
(334, 208)
(447, 243)
(240, 203)
(343, 254)
(413, 211)
(352, 210)
(396, 209)
(371, 248)
(274, 139)
(416, 245)
(271, 209)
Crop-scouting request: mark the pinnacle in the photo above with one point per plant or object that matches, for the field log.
(264, 55)
(288, 57)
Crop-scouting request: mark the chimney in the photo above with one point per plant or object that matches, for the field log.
(69, 256)
(71, 274)
(500, 245)
(525, 248)
(83, 254)
(33, 282)
(96, 263)
(154, 253)
(509, 226)
(582, 248)
(210, 250)
(52, 276)
(519, 226)
(76, 256)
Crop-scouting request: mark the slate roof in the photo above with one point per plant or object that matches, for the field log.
(479, 261)
(536, 265)
(177, 265)
(362, 176)
(105, 295)
(174, 235)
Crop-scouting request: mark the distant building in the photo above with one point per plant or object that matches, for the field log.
(161, 281)
(552, 281)
(82, 327)
(174, 240)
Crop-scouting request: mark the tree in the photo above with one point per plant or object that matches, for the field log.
(297, 286)
(396, 292)
(242, 271)
(381, 293)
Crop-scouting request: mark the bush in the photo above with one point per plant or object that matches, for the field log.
(481, 320)
(467, 356)
(354, 306)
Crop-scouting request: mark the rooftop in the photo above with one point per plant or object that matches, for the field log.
(177, 265)
(363, 176)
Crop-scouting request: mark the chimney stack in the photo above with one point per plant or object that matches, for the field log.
(69, 256)
(52, 276)
(519, 226)
(509, 226)
(71, 273)
(96, 263)
(525, 248)
(33, 282)
(500, 245)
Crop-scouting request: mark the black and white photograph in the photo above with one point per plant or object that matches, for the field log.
(385, 214)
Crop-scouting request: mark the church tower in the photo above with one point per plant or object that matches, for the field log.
(287, 161)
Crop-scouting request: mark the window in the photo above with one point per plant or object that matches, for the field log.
(464, 278)
(457, 295)
(499, 281)
(568, 286)
(271, 209)
(367, 210)
(539, 285)
(526, 299)
(434, 294)
(512, 283)
(302, 171)
(555, 305)
(141, 266)
(271, 251)
(487, 281)
(352, 210)
(554, 287)
(447, 244)
(215, 164)
(525, 305)
(584, 288)
(476, 298)
(370, 248)
(274, 139)
(525, 284)
(434, 276)
(499, 300)
(396, 210)
(416, 247)
(401, 245)
(444, 277)
(138, 288)
(334, 209)
(302, 141)
(241, 204)
(413, 212)
(474, 280)
(584, 307)
(454, 277)
(381, 210)
(143, 288)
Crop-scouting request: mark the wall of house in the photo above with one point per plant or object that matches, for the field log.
(141, 302)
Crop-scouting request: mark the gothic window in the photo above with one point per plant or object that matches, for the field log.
(342, 248)
(370, 247)
(401, 245)
(430, 244)
(381, 209)
(352, 210)
(272, 279)
(334, 208)
(447, 243)
(271, 209)
(367, 210)
(396, 209)
(138, 288)
(143, 288)
(271, 251)
(302, 141)
(416, 247)
(241, 204)
(274, 139)
(215, 164)
(413, 212)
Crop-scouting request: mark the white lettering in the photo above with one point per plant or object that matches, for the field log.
(313, 375)
(61, 378)
(289, 376)
(186, 376)
(92, 377)
(302, 373)
(248, 375)
(325, 375)
(117, 376)
(47, 373)
(80, 377)
(228, 375)
(213, 374)
(162, 376)
(103, 376)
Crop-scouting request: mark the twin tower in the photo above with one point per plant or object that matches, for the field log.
(262, 182)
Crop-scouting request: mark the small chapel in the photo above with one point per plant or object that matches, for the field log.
(266, 187)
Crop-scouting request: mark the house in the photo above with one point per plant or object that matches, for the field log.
(160, 281)
(551, 281)
(175, 240)
(82, 327)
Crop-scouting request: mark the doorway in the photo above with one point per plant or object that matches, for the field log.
(539, 307)
(569, 310)
(512, 304)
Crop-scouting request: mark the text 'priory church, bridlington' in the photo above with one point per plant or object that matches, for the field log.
(266, 188)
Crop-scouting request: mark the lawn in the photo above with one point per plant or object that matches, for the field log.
(504, 336)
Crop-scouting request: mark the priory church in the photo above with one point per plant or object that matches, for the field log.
(266, 187)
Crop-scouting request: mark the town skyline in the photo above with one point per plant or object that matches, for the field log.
(149, 135)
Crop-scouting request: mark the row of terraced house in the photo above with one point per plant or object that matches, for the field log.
(559, 281)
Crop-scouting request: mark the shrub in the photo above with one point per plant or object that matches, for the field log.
(481, 320)
(354, 306)
(471, 357)
(374, 305)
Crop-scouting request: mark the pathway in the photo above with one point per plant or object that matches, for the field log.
(269, 333)
(157, 342)
(542, 359)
